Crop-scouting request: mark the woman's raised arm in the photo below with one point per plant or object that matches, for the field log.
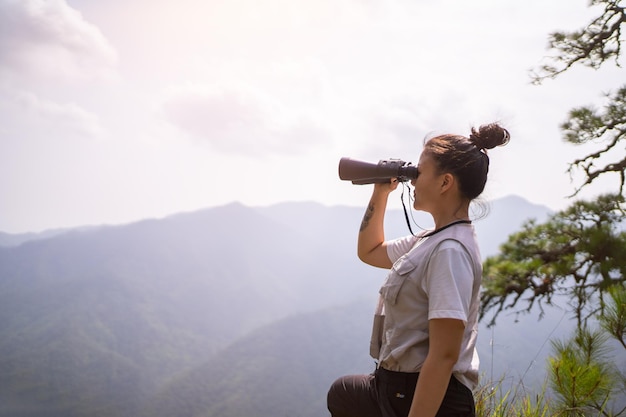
(371, 247)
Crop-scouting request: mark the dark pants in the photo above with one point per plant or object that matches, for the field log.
(389, 394)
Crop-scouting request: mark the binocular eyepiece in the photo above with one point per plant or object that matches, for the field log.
(360, 172)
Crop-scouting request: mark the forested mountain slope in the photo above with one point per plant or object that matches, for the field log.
(108, 321)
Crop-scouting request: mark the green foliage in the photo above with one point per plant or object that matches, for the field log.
(581, 375)
(578, 251)
(613, 318)
(491, 402)
(606, 126)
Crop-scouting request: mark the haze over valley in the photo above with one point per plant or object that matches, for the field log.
(228, 311)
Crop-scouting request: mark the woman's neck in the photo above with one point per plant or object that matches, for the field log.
(444, 217)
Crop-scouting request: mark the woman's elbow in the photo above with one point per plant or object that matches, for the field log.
(364, 257)
(362, 253)
(377, 258)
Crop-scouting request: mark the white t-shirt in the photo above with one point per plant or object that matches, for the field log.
(432, 278)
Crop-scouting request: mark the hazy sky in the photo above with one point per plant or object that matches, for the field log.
(113, 111)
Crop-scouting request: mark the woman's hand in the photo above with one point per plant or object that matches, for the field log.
(386, 187)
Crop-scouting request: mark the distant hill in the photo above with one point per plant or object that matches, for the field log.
(8, 240)
(109, 321)
(284, 368)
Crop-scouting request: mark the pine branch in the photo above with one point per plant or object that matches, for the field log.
(592, 46)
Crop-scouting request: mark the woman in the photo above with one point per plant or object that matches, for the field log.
(426, 359)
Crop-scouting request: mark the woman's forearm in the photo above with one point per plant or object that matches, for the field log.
(431, 388)
(445, 340)
(371, 233)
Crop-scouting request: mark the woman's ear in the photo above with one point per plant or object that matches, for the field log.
(446, 182)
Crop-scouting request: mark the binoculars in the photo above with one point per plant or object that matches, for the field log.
(360, 172)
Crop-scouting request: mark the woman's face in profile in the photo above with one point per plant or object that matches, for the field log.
(426, 184)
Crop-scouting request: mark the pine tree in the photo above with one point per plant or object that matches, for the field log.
(582, 373)
(579, 252)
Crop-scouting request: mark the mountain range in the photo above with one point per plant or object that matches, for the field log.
(228, 311)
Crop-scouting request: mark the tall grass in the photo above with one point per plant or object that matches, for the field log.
(493, 401)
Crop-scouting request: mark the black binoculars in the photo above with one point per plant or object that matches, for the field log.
(360, 172)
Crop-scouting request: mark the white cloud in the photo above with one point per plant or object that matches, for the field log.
(47, 37)
(26, 114)
(242, 120)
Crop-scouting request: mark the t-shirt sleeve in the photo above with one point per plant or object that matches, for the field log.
(398, 247)
(449, 282)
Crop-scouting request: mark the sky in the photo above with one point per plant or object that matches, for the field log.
(120, 110)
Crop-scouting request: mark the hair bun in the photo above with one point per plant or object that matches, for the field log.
(489, 136)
